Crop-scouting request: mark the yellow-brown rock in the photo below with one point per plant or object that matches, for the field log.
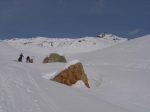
(71, 75)
(54, 57)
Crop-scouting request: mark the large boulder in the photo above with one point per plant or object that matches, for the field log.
(71, 74)
(54, 57)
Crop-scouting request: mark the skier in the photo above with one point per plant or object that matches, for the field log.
(20, 57)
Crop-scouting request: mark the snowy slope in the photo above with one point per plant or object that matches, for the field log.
(119, 76)
(122, 73)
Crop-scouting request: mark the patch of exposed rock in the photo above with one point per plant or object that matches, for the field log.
(71, 75)
(54, 57)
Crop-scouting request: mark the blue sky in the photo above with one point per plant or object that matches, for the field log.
(74, 18)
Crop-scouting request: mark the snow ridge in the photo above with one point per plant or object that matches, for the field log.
(68, 45)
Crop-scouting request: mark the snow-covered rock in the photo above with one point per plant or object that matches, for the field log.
(72, 74)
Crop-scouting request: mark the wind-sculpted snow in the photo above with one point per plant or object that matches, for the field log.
(119, 76)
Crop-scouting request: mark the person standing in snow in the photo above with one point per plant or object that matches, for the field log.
(20, 57)
(28, 59)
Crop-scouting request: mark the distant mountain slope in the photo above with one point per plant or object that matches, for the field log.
(135, 49)
(67, 45)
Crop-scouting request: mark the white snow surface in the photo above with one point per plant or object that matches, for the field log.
(118, 72)
(71, 63)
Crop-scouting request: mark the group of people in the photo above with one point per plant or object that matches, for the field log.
(28, 59)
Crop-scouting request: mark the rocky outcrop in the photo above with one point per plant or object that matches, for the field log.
(71, 75)
(102, 35)
(54, 57)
